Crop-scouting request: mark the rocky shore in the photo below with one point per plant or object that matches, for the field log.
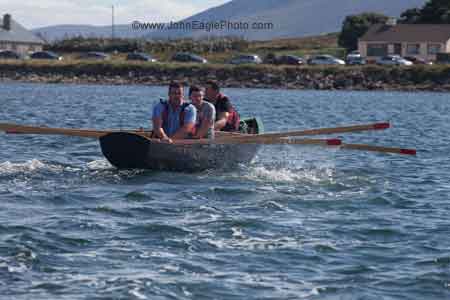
(417, 78)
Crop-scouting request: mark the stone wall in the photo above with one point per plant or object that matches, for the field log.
(370, 77)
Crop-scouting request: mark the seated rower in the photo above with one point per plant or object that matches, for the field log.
(206, 114)
(174, 119)
(227, 118)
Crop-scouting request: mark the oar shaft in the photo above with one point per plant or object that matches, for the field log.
(20, 129)
(364, 147)
(265, 139)
(319, 131)
(318, 142)
(88, 133)
(91, 133)
(262, 141)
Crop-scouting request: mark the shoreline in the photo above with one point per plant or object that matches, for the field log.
(360, 78)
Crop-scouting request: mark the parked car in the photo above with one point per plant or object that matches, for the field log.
(188, 57)
(45, 55)
(93, 55)
(354, 60)
(354, 54)
(9, 54)
(443, 58)
(325, 60)
(393, 60)
(418, 60)
(246, 59)
(289, 60)
(140, 56)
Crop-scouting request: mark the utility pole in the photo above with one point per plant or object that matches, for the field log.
(112, 23)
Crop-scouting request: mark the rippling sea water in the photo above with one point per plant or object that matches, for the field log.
(297, 223)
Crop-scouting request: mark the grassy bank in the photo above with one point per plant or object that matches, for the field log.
(215, 50)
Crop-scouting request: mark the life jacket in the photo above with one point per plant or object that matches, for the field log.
(233, 119)
(165, 113)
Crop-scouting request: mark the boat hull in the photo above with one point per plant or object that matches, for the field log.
(132, 151)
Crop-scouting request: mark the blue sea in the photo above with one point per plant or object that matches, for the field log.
(298, 222)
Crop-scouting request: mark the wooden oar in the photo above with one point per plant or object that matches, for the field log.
(319, 131)
(88, 133)
(261, 141)
(365, 147)
(21, 129)
(92, 133)
(267, 139)
(281, 141)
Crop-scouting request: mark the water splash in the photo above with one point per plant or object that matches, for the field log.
(30, 166)
(98, 165)
(283, 175)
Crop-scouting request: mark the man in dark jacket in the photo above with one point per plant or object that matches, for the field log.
(227, 118)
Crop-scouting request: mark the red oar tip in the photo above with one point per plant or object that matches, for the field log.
(408, 151)
(380, 126)
(334, 142)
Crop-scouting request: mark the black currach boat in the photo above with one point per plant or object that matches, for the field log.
(126, 150)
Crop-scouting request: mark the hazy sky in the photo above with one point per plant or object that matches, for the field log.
(32, 13)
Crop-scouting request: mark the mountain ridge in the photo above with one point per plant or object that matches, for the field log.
(290, 18)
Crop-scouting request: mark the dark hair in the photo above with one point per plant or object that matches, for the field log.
(195, 88)
(214, 85)
(175, 85)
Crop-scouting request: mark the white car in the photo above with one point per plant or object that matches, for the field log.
(394, 60)
(325, 60)
(355, 58)
(353, 55)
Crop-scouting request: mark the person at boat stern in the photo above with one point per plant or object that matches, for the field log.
(227, 118)
(175, 118)
(206, 114)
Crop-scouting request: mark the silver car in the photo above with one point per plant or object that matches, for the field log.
(325, 60)
(246, 59)
(394, 60)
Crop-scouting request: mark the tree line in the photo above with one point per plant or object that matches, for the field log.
(83, 44)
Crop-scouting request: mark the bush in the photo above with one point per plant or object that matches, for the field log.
(81, 44)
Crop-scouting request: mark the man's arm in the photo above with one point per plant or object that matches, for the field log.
(207, 122)
(183, 132)
(223, 110)
(190, 114)
(157, 121)
(202, 131)
(158, 131)
(221, 120)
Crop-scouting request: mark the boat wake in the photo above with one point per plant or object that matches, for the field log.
(31, 166)
(99, 165)
(283, 165)
(35, 169)
(285, 175)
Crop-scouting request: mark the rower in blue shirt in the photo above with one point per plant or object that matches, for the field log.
(174, 119)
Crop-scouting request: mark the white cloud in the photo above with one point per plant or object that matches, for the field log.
(41, 13)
